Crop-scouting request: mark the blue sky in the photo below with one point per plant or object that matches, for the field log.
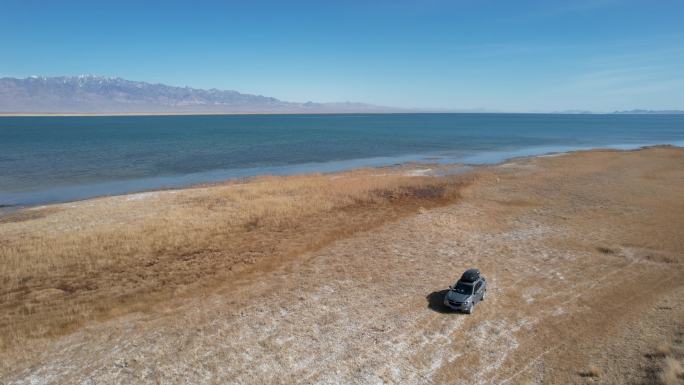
(545, 55)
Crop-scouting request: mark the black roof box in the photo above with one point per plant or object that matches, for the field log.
(471, 275)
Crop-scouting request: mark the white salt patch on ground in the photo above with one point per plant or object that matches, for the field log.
(419, 172)
(147, 195)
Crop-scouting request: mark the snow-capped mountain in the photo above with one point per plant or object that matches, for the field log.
(97, 94)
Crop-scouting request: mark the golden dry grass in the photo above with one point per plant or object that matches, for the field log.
(593, 371)
(65, 264)
(672, 373)
(663, 349)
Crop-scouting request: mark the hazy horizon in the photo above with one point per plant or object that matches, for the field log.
(531, 56)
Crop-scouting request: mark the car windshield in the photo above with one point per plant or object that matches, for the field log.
(463, 288)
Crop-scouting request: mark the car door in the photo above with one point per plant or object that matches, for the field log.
(478, 291)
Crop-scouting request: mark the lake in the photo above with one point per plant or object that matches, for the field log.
(56, 159)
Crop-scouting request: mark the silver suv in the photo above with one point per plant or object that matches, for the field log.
(468, 291)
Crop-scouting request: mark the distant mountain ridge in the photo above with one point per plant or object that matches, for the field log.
(664, 112)
(98, 94)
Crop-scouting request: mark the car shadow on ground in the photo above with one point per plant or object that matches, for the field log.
(436, 302)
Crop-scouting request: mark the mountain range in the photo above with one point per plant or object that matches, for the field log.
(89, 94)
(656, 112)
(97, 94)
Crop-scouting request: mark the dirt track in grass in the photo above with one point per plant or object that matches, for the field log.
(584, 254)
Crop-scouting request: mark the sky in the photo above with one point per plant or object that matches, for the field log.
(483, 55)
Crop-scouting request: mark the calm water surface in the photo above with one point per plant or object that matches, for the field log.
(53, 159)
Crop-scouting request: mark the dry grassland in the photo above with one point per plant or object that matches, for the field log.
(65, 264)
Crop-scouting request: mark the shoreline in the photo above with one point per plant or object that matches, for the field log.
(327, 168)
(114, 114)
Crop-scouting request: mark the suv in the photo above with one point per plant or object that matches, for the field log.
(468, 291)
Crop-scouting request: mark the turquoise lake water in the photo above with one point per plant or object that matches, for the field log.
(56, 159)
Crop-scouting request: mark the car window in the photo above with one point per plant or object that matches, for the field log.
(463, 288)
(478, 286)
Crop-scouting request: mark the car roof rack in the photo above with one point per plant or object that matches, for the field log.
(471, 275)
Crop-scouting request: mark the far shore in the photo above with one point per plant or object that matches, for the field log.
(41, 114)
(387, 112)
